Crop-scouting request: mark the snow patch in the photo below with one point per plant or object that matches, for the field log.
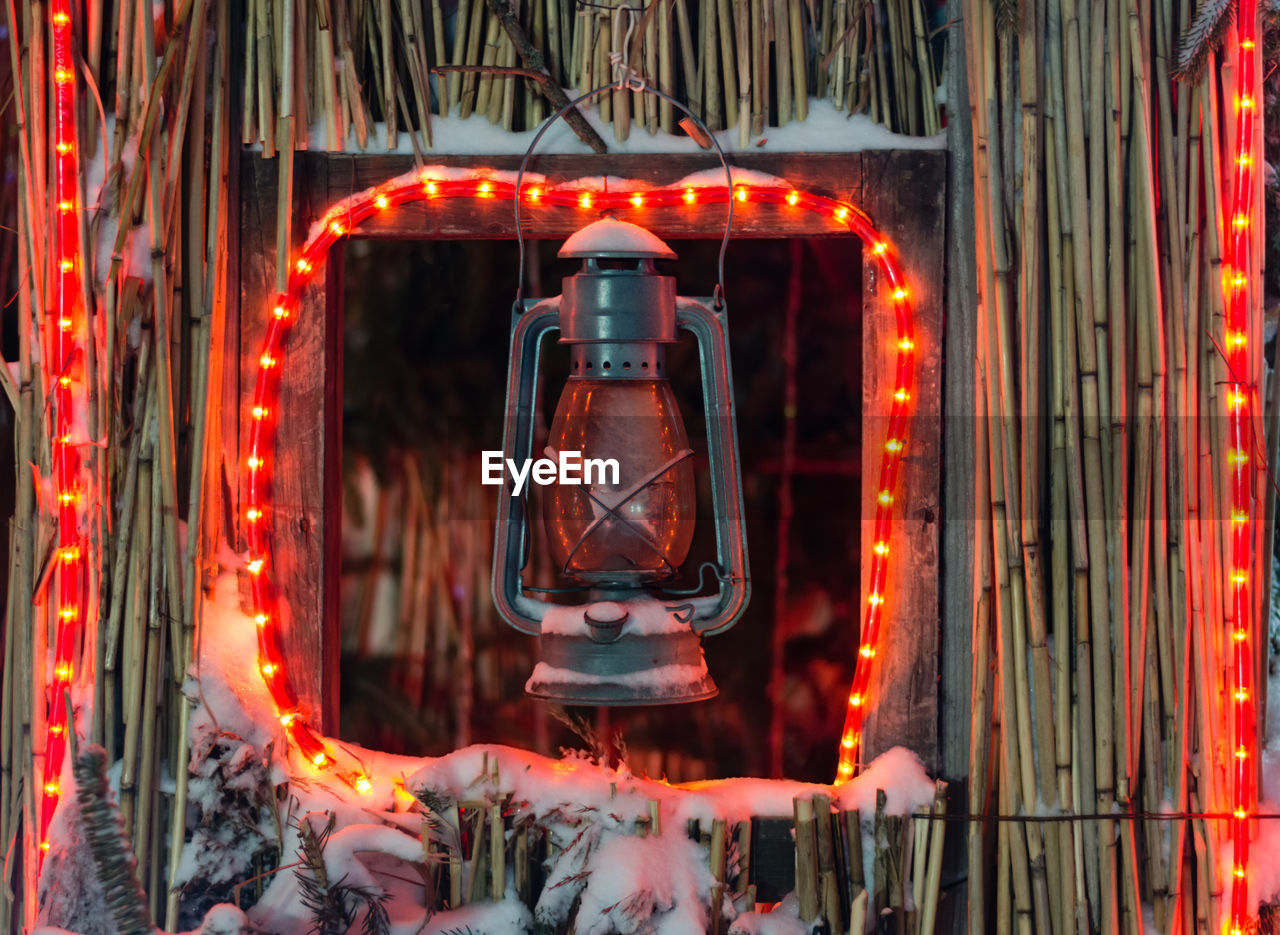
(623, 871)
(645, 617)
(826, 130)
(660, 681)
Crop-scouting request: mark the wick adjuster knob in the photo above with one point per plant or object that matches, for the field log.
(605, 620)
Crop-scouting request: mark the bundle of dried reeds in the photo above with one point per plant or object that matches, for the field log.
(1097, 207)
(360, 75)
(153, 235)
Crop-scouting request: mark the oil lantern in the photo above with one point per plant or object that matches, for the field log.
(619, 512)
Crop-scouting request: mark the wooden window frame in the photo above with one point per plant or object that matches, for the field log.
(902, 191)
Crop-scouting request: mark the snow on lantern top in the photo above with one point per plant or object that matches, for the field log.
(610, 238)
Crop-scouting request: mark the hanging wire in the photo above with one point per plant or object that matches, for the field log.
(634, 83)
(1094, 816)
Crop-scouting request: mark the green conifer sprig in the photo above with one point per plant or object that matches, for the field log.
(335, 905)
(114, 858)
(1202, 37)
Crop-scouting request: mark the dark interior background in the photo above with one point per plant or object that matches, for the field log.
(424, 371)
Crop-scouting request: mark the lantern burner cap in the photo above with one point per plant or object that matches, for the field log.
(652, 658)
(610, 238)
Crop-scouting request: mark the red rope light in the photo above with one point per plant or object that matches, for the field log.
(64, 334)
(1238, 227)
(346, 218)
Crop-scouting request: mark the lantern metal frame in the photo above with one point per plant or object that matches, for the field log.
(709, 614)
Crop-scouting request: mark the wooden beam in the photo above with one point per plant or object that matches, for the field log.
(903, 192)
(305, 519)
(837, 175)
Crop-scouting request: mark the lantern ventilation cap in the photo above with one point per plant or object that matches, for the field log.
(610, 238)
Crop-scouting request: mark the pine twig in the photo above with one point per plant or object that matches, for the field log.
(1205, 34)
(1007, 16)
(335, 905)
(104, 827)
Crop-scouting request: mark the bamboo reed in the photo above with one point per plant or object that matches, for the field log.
(1099, 666)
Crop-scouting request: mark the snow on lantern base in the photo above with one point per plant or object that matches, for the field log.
(580, 846)
(634, 652)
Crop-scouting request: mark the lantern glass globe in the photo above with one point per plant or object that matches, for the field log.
(638, 529)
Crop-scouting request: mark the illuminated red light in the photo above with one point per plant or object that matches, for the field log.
(585, 199)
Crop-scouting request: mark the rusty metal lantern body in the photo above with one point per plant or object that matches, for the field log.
(619, 536)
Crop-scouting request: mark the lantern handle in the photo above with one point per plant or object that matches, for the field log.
(717, 612)
(634, 84)
(510, 541)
